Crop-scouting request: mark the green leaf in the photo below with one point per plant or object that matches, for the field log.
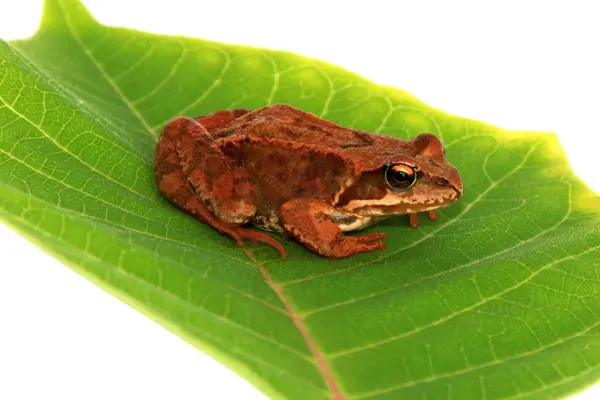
(498, 298)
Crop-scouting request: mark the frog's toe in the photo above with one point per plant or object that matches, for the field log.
(413, 220)
(373, 246)
(258, 237)
(370, 237)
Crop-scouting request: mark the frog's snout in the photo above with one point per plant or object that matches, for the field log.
(454, 181)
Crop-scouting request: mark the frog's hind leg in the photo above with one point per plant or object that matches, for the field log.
(176, 185)
(226, 189)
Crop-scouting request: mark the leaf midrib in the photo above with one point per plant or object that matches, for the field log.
(183, 301)
(319, 358)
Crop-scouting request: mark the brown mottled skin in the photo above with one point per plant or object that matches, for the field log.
(285, 170)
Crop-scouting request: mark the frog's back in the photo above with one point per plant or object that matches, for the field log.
(291, 124)
(283, 170)
(293, 154)
(283, 124)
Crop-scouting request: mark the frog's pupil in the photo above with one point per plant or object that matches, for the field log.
(401, 176)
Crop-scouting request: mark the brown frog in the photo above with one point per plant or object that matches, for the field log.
(285, 170)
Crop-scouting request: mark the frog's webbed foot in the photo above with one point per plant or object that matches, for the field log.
(309, 222)
(414, 220)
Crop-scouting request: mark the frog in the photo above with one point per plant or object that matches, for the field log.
(284, 170)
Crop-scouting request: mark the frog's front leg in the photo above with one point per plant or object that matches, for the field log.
(193, 173)
(414, 220)
(309, 221)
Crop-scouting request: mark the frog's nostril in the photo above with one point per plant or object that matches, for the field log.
(443, 181)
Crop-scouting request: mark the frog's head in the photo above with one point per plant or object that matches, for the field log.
(419, 178)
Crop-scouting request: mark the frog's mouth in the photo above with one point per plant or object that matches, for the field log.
(395, 205)
(369, 213)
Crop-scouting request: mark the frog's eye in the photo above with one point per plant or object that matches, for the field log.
(400, 176)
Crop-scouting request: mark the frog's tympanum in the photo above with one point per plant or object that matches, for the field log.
(285, 170)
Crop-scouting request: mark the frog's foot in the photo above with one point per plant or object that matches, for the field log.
(309, 222)
(197, 208)
(349, 245)
(414, 220)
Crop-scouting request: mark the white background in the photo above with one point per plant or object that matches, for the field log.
(526, 65)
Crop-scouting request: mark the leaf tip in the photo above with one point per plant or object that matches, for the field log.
(56, 12)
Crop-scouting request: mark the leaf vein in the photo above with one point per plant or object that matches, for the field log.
(106, 76)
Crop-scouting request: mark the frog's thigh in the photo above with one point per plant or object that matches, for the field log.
(173, 184)
(309, 222)
(225, 189)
